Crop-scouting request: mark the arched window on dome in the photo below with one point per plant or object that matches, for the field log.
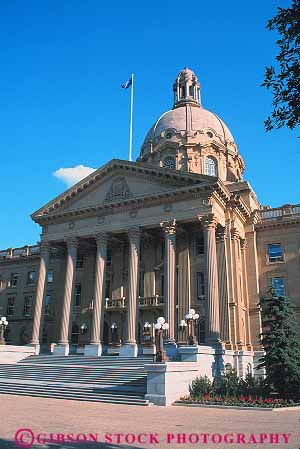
(211, 166)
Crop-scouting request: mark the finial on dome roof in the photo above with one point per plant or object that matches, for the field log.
(186, 88)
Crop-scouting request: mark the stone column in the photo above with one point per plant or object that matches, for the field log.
(94, 348)
(170, 277)
(212, 302)
(184, 281)
(62, 348)
(246, 294)
(237, 273)
(40, 293)
(130, 348)
(225, 333)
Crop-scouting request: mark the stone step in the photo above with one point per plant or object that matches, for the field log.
(78, 394)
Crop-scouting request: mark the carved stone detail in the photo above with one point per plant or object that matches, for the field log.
(119, 190)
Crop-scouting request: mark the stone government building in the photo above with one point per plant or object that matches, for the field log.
(133, 241)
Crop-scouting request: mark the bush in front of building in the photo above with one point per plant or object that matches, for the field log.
(228, 386)
(281, 360)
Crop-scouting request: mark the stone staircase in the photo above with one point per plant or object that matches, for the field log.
(108, 379)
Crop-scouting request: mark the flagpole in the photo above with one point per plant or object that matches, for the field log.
(131, 115)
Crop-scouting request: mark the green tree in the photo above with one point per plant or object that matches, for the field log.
(282, 350)
(284, 79)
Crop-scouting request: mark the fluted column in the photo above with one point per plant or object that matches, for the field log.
(63, 344)
(130, 349)
(40, 293)
(246, 294)
(94, 348)
(213, 320)
(170, 276)
(225, 333)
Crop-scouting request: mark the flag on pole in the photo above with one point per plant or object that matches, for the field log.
(127, 83)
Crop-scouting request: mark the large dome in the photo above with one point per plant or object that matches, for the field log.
(191, 138)
(188, 117)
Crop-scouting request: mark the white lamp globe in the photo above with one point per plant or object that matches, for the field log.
(157, 326)
(196, 316)
(165, 326)
(182, 323)
(188, 316)
(5, 323)
(3, 318)
(192, 311)
(161, 320)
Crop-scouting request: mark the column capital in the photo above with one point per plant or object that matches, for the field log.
(234, 233)
(209, 221)
(101, 237)
(244, 244)
(44, 246)
(221, 234)
(134, 232)
(169, 227)
(72, 242)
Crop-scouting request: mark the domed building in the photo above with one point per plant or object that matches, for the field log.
(190, 138)
(177, 234)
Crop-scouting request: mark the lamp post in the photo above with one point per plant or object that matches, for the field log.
(83, 329)
(161, 328)
(114, 330)
(182, 327)
(3, 324)
(192, 320)
(147, 336)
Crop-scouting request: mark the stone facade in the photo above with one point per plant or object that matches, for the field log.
(133, 241)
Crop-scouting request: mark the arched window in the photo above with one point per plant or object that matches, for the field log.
(211, 166)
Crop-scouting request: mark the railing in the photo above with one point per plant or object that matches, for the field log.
(118, 303)
(151, 301)
(13, 253)
(280, 212)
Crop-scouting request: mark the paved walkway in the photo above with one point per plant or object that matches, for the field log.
(102, 422)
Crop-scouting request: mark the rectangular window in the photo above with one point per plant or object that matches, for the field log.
(275, 253)
(30, 277)
(199, 245)
(47, 305)
(13, 280)
(107, 287)
(10, 306)
(27, 305)
(200, 286)
(79, 262)
(278, 283)
(108, 257)
(77, 295)
(50, 277)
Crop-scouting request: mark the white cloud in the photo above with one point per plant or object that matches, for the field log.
(73, 175)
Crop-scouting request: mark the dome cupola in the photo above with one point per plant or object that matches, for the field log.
(186, 88)
(191, 138)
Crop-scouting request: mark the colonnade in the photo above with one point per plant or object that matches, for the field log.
(129, 347)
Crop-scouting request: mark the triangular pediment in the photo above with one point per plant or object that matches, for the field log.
(119, 181)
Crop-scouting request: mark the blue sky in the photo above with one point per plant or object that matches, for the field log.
(62, 63)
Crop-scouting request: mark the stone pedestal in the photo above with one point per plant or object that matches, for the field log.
(189, 353)
(113, 349)
(61, 349)
(93, 350)
(129, 350)
(168, 382)
(149, 350)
